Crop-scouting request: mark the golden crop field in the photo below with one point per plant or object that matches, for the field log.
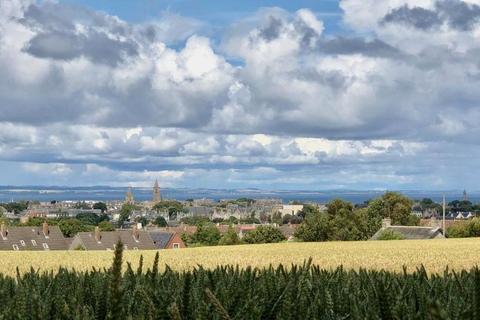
(435, 255)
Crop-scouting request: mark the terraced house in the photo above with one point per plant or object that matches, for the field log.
(32, 238)
(133, 239)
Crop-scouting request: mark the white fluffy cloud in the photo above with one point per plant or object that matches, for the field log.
(85, 94)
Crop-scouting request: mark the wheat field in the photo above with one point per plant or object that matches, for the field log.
(435, 255)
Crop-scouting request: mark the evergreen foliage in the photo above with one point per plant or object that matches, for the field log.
(229, 238)
(390, 235)
(264, 234)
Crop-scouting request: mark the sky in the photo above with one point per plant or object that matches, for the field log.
(307, 95)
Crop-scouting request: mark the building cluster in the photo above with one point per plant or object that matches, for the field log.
(136, 236)
(48, 237)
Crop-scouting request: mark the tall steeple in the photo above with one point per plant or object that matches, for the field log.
(465, 196)
(129, 196)
(156, 192)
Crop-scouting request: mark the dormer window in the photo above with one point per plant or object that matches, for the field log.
(34, 243)
(15, 247)
(22, 243)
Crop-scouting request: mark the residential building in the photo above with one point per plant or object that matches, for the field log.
(133, 239)
(410, 232)
(166, 240)
(291, 209)
(42, 238)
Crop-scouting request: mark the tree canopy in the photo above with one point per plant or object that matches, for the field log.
(264, 234)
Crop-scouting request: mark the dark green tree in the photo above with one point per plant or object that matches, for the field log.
(264, 234)
(205, 235)
(125, 212)
(106, 226)
(395, 206)
(100, 206)
(316, 227)
(229, 238)
(70, 227)
(160, 221)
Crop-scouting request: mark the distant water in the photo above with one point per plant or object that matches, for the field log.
(9, 193)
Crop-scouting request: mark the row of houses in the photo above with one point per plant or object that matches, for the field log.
(49, 237)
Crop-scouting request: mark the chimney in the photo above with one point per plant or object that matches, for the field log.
(136, 234)
(98, 236)
(46, 232)
(4, 231)
(386, 222)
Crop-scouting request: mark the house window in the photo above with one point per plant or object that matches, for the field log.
(34, 243)
(45, 246)
(15, 247)
(135, 248)
(176, 245)
(22, 243)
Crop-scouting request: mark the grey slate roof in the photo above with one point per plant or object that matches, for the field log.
(33, 238)
(108, 240)
(412, 232)
(161, 239)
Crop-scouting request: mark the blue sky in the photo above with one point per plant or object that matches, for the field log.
(218, 12)
(349, 94)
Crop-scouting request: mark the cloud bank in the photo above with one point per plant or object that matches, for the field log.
(273, 101)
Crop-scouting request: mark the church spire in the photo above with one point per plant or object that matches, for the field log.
(156, 192)
(129, 196)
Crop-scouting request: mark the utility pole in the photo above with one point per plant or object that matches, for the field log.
(443, 221)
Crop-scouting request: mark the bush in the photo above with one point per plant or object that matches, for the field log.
(316, 227)
(106, 226)
(229, 238)
(390, 235)
(160, 222)
(264, 234)
(206, 235)
(465, 229)
(195, 221)
(286, 219)
(70, 227)
(250, 220)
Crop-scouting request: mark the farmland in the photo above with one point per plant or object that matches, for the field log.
(435, 255)
(304, 291)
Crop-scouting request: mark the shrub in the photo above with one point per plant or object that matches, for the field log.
(70, 227)
(206, 235)
(229, 238)
(195, 221)
(316, 227)
(264, 234)
(106, 226)
(390, 235)
(465, 229)
(160, 222)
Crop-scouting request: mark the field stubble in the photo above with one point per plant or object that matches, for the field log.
(435, 255)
